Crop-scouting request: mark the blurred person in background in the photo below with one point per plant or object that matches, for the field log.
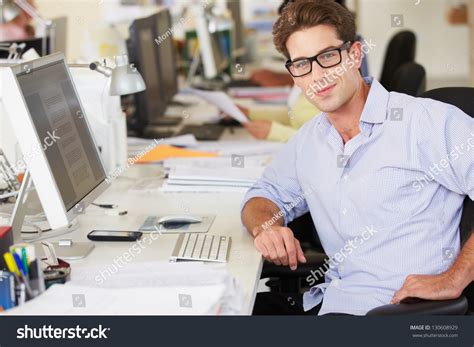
(19, 28)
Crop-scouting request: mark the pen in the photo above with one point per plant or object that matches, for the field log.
(23, 275)
(19, 264)
(24, 258)
(11, 263)
(22, 298)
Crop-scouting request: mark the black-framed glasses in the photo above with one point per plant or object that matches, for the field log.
(326, 59)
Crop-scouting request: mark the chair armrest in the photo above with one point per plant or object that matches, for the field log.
(313, 262)
(425, 308)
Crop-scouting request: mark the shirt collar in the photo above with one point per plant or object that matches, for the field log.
(375, 108)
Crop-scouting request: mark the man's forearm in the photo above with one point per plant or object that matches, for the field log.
(462, 270)
(259, 213)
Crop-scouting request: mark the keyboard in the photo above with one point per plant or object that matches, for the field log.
(201, 247)
(205, 132)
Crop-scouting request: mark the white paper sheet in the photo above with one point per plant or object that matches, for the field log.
(223, 102)
(151, 288)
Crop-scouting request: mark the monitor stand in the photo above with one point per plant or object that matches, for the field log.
(76, 250)
(180, 103)
(154, 132)
(167, 121)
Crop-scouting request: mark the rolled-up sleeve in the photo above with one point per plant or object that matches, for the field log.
(279, 183)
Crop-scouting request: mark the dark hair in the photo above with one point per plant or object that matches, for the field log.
(301, 14)
(286, 2)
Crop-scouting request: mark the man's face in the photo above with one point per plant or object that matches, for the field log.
(327, 88)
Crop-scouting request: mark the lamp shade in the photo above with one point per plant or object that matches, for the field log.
(125, 78)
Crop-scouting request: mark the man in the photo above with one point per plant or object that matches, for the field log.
(269, 78)
(383, 174)
(280, 124)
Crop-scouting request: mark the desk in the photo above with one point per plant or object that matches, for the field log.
(245, 263)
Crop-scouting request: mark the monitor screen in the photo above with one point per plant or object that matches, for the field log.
(218, 43)
(63, 131)
(150, 104)
(34, 43)
(166, 56)
(151, 73)
(234, 8)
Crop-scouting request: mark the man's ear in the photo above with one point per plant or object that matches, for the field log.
(356, 54)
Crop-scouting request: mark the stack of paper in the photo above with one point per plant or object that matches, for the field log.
(184, 178)
(250, 148)
(152, 288)
(230, 174)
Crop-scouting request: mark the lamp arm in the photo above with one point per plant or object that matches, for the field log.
(104, 70)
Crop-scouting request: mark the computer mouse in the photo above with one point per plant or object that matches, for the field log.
(179, 219)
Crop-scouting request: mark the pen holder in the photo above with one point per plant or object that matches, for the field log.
(6, 240)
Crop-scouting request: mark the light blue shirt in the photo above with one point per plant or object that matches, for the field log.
(386, 204)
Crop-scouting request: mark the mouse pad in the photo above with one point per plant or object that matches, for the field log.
(150, 224)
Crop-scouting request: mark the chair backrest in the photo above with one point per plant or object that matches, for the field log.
(462, 98)
(401, 49)
(410, 78)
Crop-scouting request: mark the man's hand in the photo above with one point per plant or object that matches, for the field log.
(259, 128)
(278, 245)
(430, 287)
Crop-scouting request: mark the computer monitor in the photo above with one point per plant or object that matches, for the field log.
(211, 46)
(35, 43)
(54, 135)
(157, 62)
(235, 10)
(60, 34)
(167, 59)
(150, 104)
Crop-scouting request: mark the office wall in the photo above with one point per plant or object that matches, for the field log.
(90, 34)
(81, 14)
(443, 49)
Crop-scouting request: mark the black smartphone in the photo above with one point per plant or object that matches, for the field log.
(113, 235)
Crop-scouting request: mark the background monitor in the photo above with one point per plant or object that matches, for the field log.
(54, 136)
(210, 45)
(60, 34)
(238, 46)
(150, 104)
(167, 59)
(35, 43)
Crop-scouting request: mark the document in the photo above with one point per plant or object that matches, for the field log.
(162, 152)
(141, 288)
(223, 102)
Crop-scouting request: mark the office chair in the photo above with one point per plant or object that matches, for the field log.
(285, 280)
(401, 49)
(410, 78)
